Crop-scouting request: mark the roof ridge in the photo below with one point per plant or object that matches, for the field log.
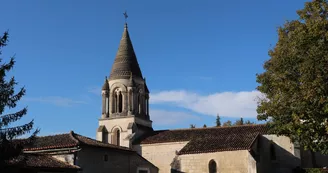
(250, 146)
(71, 134)
(221, 127)
(45, 136)
(122, 147)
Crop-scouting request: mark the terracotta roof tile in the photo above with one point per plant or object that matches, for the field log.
(53, 142)
(40, 161)
(67, 140)
(201, 140)
(91, 142)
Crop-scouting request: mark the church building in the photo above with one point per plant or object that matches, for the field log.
(125, 121)
(127, 143)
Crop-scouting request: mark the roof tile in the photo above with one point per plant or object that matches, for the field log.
(202, 140)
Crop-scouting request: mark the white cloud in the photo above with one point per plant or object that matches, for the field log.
(163, 117)
(228, 104)
(94, 90)
(56, 100)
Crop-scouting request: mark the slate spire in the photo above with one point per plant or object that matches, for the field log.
(125, 61)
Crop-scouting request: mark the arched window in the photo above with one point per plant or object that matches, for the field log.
(105, 137)
(116, 137)
(212, 167)
(120, 104)
(115, 103)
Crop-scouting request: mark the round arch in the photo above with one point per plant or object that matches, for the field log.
(212, 166)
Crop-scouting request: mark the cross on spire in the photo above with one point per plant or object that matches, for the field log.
(125, 16)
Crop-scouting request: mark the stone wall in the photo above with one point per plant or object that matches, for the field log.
(92, 160)
(226, 161)
(160, 154)
(121, 123)
(282, 157)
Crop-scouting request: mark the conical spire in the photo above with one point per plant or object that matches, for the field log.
(125, 61)
(106, 85)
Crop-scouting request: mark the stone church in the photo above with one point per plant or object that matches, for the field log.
(126, 142)
(125, 121)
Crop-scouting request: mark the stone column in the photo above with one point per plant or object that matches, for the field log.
(103, 108)
(124, 102)
(130, 101)
(107, 104)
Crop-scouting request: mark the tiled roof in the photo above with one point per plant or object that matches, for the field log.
(202, 140)
(68, 140)
(91, 142)
(40, 161)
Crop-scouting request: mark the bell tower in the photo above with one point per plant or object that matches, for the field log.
(125, 99)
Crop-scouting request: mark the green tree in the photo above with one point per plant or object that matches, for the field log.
(218, 120)
(294, 83)
(247, 122)
(8, 100)
(239, 122)
(204, 125)
(192, 126)
(227, 123)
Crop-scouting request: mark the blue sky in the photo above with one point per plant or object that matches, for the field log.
(200, 58)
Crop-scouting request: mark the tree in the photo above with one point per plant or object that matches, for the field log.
(249, 122)
(8, 100)
(226, 124)
(192, 126)
(218, 120)
(204, 125)
(294, 81)
(239, 122)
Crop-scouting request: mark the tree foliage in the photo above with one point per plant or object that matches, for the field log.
(227, 123)
(8, 101)
(248, 122)
(218, 120)
(295, 80)
(239, 122)
(192, 126)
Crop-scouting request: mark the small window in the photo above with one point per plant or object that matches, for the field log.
(105, 157)
(212, 167)
(143, 170)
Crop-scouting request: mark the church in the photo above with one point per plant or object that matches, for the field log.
(127, 143)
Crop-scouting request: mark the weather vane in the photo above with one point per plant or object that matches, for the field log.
(125, 16)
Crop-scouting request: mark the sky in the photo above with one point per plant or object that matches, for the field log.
(200, 58)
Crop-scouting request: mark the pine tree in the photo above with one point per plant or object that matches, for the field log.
(10, 149)
(204, 125)
(218, 120)
(192, 126)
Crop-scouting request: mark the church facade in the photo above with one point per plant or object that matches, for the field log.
(125, 121)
